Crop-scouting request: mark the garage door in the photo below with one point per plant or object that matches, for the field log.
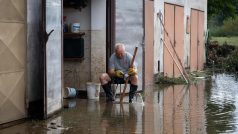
(197, 46)
(174, 25)
(13, 60)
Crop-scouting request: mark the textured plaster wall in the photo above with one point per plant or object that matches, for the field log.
(98, 39)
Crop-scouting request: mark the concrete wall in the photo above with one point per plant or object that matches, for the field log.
(159, 32)
(98, 39)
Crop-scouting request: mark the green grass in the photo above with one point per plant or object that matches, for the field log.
(230, 40)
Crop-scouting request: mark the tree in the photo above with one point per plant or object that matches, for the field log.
(222, 9)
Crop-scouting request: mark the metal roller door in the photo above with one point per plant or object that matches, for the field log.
(12, 60)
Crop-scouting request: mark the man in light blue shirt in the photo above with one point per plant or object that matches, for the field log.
(119, 67)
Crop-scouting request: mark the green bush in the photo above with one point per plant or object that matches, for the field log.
(229, 28)
(222, 56)
(232, 62)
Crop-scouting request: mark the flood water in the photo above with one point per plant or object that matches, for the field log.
(210, 106)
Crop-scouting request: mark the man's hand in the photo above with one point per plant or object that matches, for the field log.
(132, 71)
(119, 73)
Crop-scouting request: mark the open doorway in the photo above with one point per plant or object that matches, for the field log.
(84, 42)
(102, 23)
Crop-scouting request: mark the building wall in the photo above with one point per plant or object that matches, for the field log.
(98, 39)
(158, 45)
(159, 32)
(198, 5)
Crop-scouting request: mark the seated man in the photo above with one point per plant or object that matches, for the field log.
(119, 66)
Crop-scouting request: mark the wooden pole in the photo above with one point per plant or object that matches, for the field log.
(127, 79)
(175, 61)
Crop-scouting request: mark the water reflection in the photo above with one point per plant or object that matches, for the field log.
(206, 107)
(176, 109)
(122, 118)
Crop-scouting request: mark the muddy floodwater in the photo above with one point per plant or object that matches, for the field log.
(209, 106)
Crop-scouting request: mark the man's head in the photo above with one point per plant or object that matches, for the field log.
(120, 50)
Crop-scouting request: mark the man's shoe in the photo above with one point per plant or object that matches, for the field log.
(133, 89)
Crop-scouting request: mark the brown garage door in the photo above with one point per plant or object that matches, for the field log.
(174, 24)
(13, 60)
(197, 46)
(201, 43)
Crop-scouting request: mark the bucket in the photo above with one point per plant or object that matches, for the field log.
(75, 27)
(70, 92)
(93, 90)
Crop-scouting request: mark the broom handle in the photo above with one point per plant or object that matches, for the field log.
(134, 55)
(127, 79)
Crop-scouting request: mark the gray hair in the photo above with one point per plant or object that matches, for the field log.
(119, 45)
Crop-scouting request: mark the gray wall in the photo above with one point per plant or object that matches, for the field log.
(129, 29)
